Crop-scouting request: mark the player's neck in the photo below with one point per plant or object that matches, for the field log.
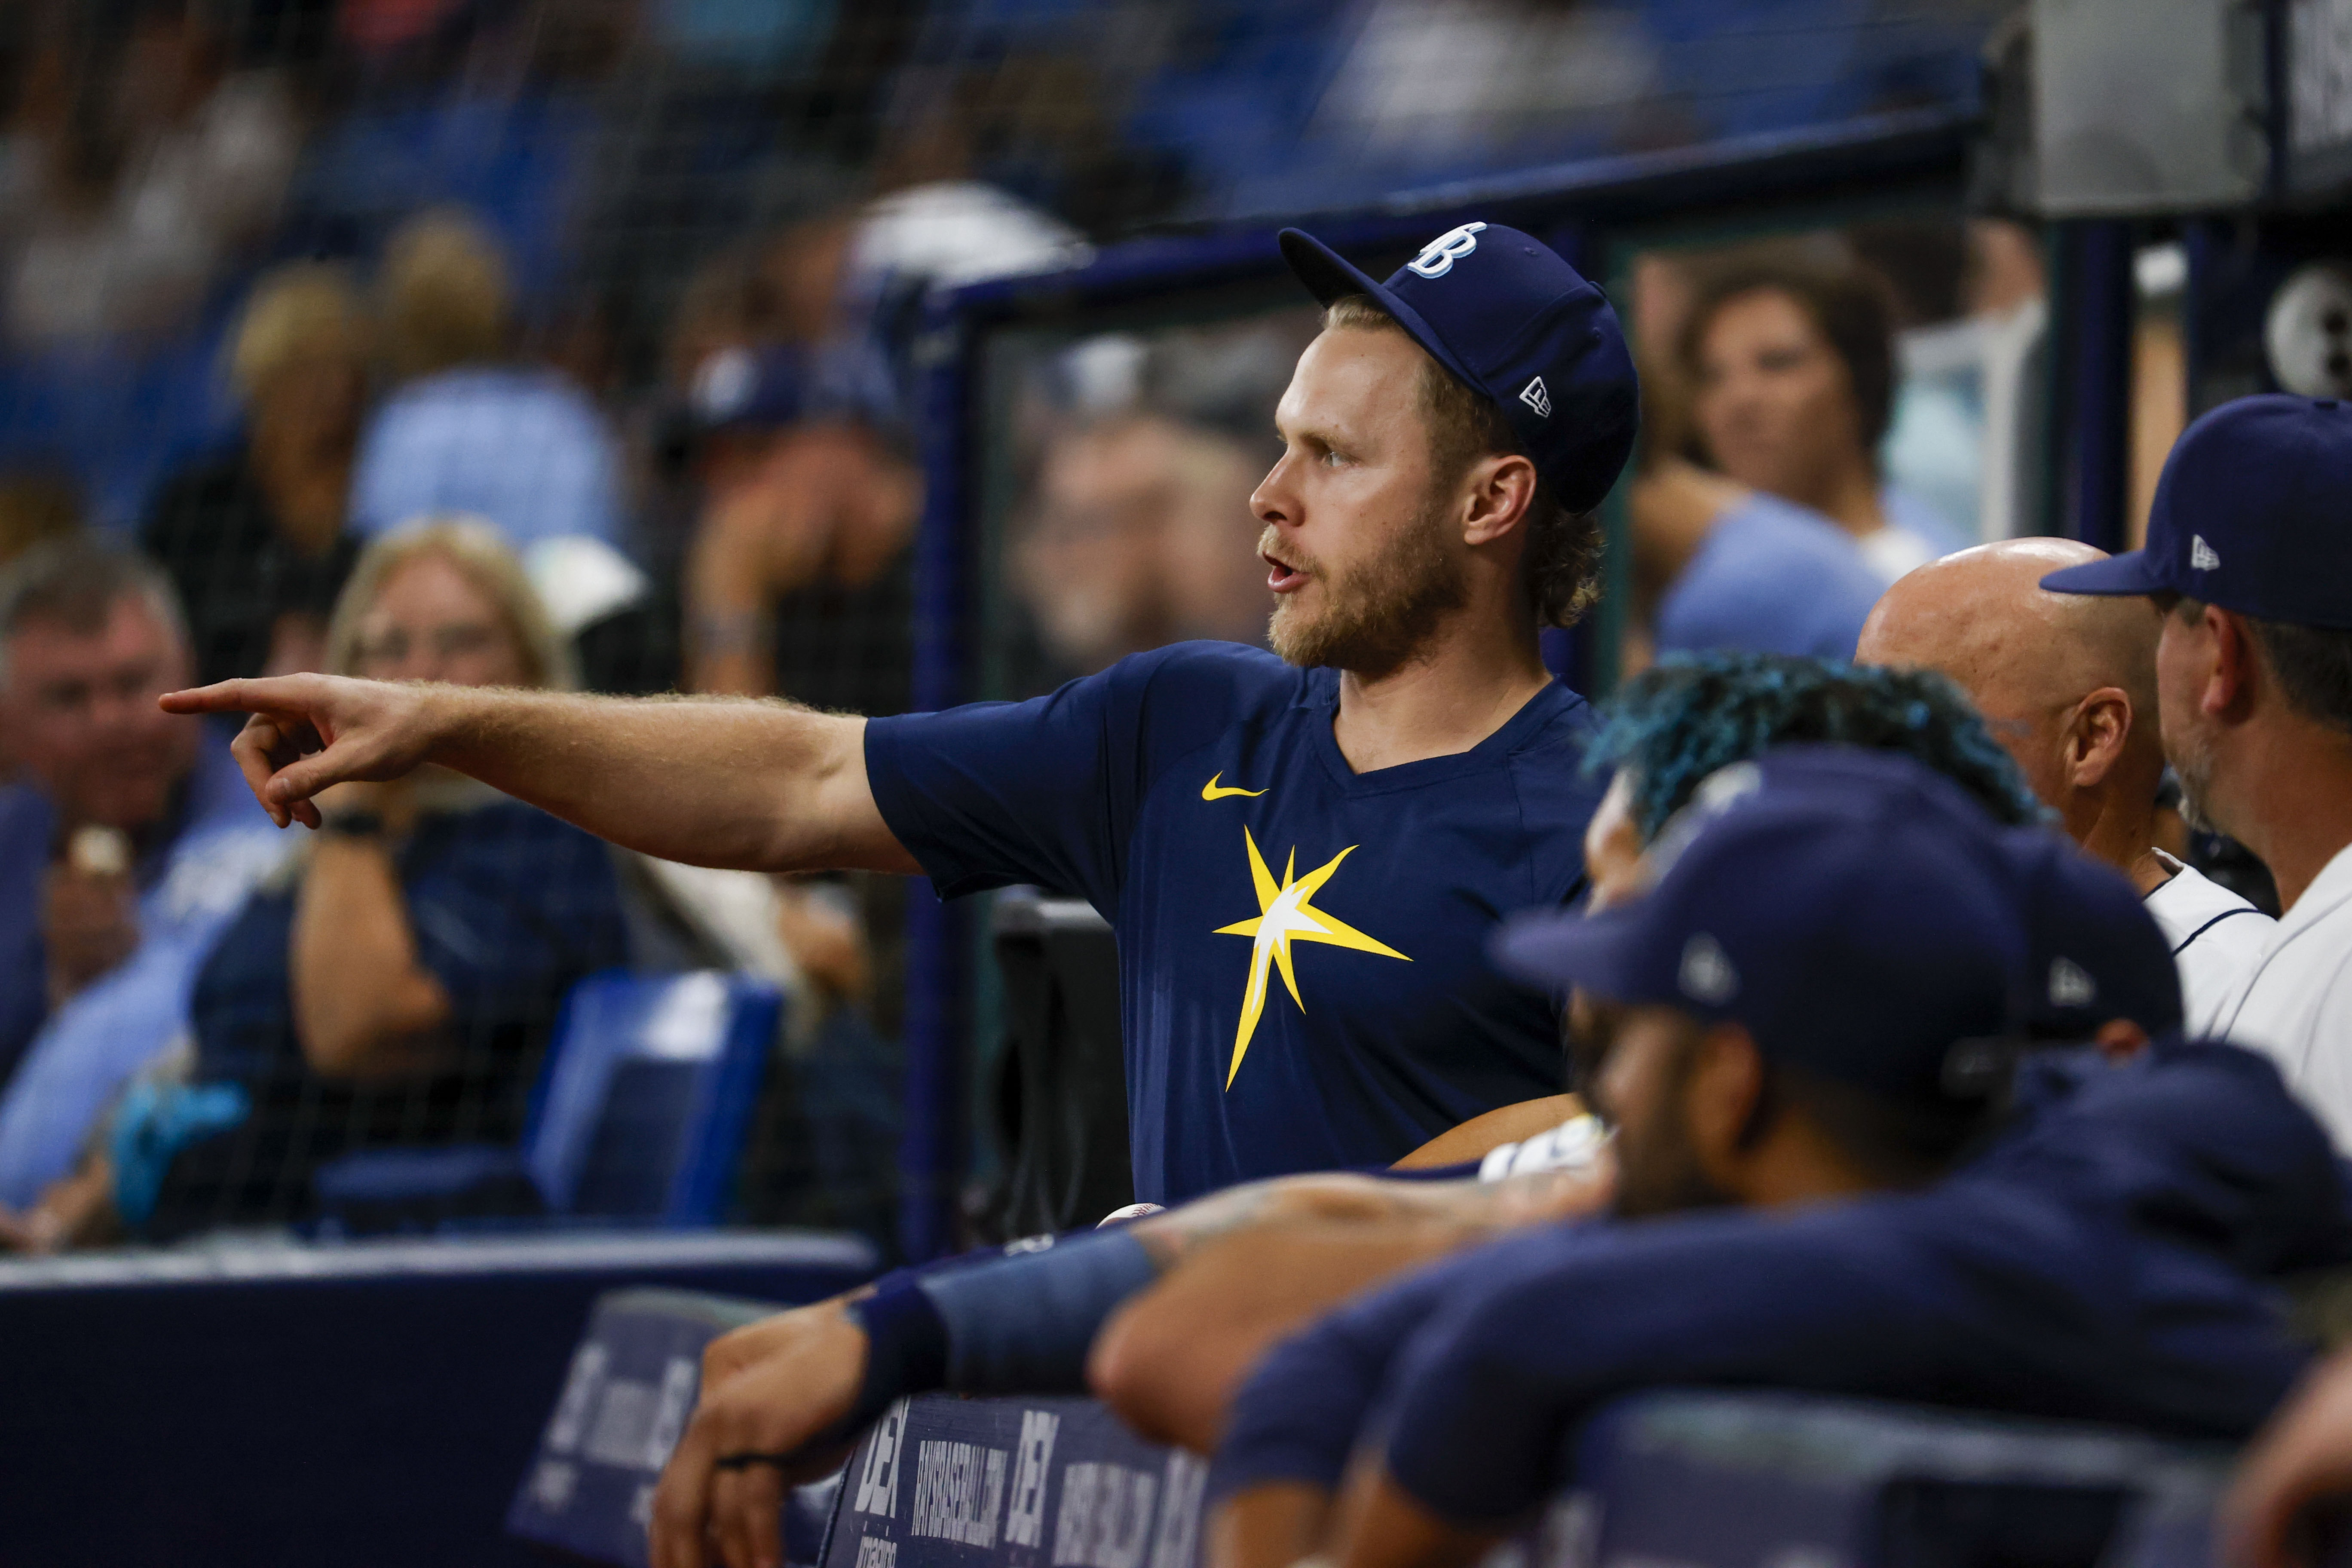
(2297, 777)
(1478, 672)
(2116, 823)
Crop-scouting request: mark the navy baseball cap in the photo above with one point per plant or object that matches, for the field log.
(2247, 516)
(1519, 326)
(746, 387)
(2093, 952)
(1852, 933)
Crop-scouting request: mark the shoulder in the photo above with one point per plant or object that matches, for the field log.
(27, 821)
(1772, 577)
(1232, 678)
(2195, 912)
(1564, 717)
(1764, 545)
(1769, 528)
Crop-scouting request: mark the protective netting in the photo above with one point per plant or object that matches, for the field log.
(621, 294)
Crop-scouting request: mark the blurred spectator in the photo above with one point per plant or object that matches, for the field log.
(256, 540)
(1722, 566)
(1437, 82)
(466, 430)
(951, 230)
(33, 507)
(1790, 364)
(2007, 300)
(129, 843)
(36, 505)
(798, 579)
(1140, 537)
(142, 167)
(397, 984)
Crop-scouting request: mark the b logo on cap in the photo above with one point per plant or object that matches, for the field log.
(1438, 257)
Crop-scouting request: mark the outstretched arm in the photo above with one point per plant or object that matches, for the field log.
(761, 786)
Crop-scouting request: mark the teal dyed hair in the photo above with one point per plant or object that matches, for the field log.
(1691, 714)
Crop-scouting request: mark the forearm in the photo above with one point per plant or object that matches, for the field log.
(732, 782)
(1172, 1361)
(364, 1006)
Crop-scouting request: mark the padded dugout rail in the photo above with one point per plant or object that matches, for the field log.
(366, 1404)
(1694, 1479)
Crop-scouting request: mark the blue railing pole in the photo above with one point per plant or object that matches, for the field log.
(2096, 331)
(938, 956)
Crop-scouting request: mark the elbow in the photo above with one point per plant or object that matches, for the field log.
(372, 1037)
(343, 1047)
(1140, 1368)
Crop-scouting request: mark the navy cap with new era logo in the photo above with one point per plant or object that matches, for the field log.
(1855, 923)
(1511, 321)
(2249, 515)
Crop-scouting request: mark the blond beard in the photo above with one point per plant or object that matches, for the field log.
(1382, 614)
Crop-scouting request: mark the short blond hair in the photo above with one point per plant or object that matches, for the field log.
(484, 559)
(304, 310)
(443, 295)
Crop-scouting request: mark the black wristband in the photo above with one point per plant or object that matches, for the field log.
(905, 1352)
(352, 824)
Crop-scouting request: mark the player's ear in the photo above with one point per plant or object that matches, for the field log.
(2231, 677)
(2095, 738)
(1498, 490)
(1723, 1101)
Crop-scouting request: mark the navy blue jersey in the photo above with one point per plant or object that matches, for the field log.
(2113, 1257)
(1302, 964)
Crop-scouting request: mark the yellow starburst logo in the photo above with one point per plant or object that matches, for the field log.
(1287, 914)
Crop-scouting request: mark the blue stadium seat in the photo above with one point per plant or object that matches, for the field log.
(639, 1117)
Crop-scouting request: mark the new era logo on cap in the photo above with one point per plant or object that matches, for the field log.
(2071, 985)
(1706, 974)
(2201, 555)
(1537, 397)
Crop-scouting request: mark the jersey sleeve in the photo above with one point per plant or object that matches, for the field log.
(1486, 1390)
(1044, 791)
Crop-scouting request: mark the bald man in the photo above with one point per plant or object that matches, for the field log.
(2068, 684)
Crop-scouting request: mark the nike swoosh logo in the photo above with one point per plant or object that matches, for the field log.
(1211, 792)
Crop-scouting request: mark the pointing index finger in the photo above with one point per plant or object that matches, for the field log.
(222, 697)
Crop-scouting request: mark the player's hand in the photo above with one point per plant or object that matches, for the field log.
(767, 1389)
(309, 732)
(1272, 1524)
(2302, 1457)
(1381, 1525)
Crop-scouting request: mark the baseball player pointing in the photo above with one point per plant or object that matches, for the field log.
(1303, 851)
